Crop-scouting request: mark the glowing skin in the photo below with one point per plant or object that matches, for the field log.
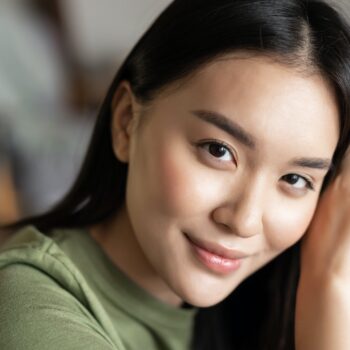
(238, 197)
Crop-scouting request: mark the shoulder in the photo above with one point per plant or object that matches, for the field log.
(43, 304)
(42, 254)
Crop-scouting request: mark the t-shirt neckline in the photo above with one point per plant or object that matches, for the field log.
(127, 295)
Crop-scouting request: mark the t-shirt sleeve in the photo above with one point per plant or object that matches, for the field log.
(37, 313)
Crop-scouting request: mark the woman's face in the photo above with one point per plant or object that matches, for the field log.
(229, 165)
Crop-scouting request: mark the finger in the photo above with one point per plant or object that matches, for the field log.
(345, 165)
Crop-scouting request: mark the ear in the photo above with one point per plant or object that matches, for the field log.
(123, 120)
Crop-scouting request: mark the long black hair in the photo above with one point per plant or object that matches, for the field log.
(304, 34)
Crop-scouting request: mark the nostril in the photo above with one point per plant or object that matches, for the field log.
(225, 227)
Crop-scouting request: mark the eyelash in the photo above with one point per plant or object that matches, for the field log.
(219, 143)
(202, 144)
(309, 184)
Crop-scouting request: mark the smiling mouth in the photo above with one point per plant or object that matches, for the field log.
(214, 261)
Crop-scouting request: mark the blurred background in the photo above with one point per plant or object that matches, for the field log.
(57, 58)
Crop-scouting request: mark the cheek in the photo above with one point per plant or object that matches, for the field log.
(287, 223)
(184, 186)
(168, 178)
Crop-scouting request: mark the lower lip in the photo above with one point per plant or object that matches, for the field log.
(215, 262)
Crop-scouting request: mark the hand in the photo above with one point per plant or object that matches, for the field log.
(325, 249)
(322, 318)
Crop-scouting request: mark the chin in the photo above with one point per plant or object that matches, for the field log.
(204, 296)
(204, 301)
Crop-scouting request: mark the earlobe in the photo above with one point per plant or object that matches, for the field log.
(123, 108)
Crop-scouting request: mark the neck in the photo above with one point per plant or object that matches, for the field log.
(117, 239)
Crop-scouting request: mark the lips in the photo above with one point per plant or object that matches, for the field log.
(218, 250)
(216, 258)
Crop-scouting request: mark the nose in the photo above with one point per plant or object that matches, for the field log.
(243, 214)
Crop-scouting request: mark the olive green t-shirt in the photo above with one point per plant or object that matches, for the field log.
(62, 292)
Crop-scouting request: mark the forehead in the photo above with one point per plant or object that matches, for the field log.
(271, 100)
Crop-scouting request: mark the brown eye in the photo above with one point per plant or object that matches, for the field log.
(292, 179)
(297, 181)
(218, 151)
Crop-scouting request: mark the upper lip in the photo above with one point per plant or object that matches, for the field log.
(219, 250)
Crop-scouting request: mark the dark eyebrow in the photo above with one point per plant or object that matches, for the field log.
(248, 140)
(314, 163)
(226, 125)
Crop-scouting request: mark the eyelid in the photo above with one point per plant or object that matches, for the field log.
(309, 182)
(222, 143)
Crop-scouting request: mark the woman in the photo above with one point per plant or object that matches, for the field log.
(219, 133)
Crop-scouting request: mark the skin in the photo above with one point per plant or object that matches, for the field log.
(241, 199)
(323, 306)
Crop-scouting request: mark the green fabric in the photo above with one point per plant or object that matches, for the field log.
(62, 292)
